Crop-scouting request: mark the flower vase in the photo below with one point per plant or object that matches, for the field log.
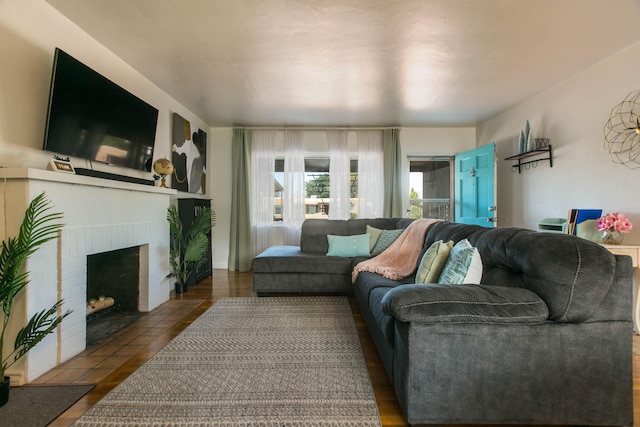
(612, 237)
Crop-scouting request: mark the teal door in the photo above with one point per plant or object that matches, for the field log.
(475, 186)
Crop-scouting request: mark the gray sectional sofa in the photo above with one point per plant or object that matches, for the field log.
(545, 338)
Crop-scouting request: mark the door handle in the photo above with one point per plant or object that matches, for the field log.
(492, 208)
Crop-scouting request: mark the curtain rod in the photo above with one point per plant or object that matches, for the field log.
(315, 128)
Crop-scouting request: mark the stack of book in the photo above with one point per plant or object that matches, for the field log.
(578, 216)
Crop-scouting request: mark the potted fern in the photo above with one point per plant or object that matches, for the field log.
(188, 247)
(38, 227)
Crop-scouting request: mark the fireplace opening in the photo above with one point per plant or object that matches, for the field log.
(113, 281)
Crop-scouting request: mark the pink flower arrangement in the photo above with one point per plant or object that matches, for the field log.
(614, 222)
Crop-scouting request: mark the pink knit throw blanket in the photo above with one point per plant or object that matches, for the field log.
(399, 259)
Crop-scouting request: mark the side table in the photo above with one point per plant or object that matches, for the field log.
(634, 253)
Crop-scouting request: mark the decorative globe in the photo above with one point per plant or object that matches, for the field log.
(163, 167)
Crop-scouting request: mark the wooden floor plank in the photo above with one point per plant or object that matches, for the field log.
(122, 354)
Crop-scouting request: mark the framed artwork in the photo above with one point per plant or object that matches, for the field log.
(189, 157)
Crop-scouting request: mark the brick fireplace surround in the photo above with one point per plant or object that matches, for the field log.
(99, 216)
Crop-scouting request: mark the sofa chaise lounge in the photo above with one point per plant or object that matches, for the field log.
(307, 268)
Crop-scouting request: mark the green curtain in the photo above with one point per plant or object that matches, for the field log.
(240, 246)
(392, 174)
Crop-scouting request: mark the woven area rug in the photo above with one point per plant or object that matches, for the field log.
(268, 362)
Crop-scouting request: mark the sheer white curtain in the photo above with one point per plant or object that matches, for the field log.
(263, 177)
(339, 172)
(370, 174)
(293, 193)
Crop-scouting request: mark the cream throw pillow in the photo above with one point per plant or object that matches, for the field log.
(433, 261)
(464, 265)
(375, 235)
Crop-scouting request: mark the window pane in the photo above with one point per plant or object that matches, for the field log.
(430, 192)
(316, 179)
(430, 209)
(277, 194)
(317, 188)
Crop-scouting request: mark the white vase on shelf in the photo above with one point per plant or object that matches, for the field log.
(531, 143)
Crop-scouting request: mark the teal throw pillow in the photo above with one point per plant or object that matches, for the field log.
(348, 246)
(387, 237)
(464, 265)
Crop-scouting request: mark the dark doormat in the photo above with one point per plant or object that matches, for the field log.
(38, 405)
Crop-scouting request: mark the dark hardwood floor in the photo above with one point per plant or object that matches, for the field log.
(107, 364)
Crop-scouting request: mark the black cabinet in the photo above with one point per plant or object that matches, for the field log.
(188, 209)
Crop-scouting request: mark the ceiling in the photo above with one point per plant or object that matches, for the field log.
(358, 62)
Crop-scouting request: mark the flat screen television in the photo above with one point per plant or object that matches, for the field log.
(92, 118)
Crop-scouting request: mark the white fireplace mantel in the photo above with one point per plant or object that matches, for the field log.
(70, 178)
(99, 215)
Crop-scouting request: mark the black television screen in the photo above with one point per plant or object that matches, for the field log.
(93, 118)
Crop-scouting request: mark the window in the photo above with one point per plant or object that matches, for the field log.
(431, 181)
(317, 188)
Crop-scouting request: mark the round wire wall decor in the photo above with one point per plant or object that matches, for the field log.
(622, 132)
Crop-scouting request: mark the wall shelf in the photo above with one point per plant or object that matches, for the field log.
(534, 157)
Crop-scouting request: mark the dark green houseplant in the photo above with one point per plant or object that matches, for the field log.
(38, 227)
(188, 247)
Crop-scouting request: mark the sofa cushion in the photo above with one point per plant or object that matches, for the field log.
(551, 265)
(349, 246)
(383, 321)
(290, 259)
(464, 303)
(433, 261)
(359, 225)
(313, 238)
(464, 265)
(370, 289)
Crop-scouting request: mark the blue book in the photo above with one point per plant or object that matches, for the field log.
(585, 214)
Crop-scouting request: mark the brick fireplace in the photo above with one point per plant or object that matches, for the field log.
(99, 216)
(76, 244)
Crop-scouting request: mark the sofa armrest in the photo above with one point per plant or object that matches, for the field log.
(435, 303)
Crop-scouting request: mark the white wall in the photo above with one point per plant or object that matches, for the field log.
(425, 141)
(220, 178)
(30, 30)
(572, 114)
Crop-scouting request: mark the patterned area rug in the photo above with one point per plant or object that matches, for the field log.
(268, 362)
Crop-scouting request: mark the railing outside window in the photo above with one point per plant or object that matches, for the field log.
(430, 208)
